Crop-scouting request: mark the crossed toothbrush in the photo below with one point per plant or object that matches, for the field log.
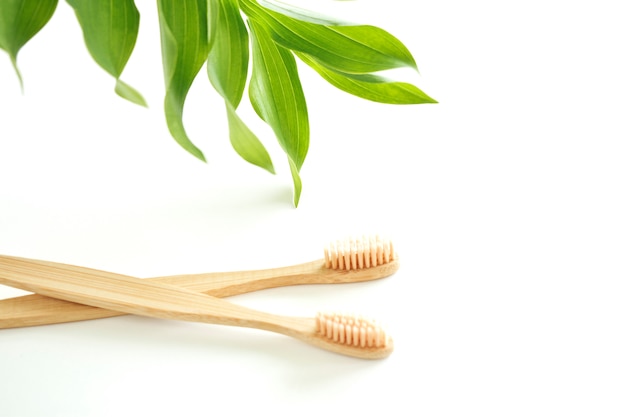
(66, 293)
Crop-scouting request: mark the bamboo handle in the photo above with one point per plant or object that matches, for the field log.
(153, 299)
(125, 294)
(37, 309)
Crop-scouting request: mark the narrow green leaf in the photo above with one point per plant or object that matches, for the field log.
(129, 93)
(245, 143)
(351, 49)
(227, 65)
(110, 30)
(369, 86)
(20, 20)
(277, 97)
(297, 182)
(184, 49)
(227, 68)
(300, 13)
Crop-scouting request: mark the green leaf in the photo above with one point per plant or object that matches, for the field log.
(277, 97)
(297, 182)
(369, 86)
(110, 30)
(227, 64)
(301, 13)
(20, 20)
(351, 49)
(245, 143)
(184, 48)
(129, 93)
(227, 68)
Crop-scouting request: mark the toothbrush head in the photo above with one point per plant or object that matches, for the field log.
(359, 253)
(351, 330)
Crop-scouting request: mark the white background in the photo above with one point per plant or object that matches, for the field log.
(506, 202)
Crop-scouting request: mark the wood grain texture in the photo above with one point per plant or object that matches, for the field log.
(37, 309)
(156, 299)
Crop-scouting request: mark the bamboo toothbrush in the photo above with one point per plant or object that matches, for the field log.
(347, 335)
(350, 260)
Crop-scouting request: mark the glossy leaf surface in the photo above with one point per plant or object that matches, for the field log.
(184, 48)
(227, 64)
(246, 143)
(227, 68)
(300, 13)
(369, 86)
(20, 20)
(110, 30)
(277, 97)
(351, 49)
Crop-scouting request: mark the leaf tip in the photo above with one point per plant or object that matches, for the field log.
(297, 182)
(129, 93)
(17, 72)
(198, 154)
(429, 100)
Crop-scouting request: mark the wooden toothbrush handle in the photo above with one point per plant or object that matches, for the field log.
(36, 309)
(152, 299)
(129, 295)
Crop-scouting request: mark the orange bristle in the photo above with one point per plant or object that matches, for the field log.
(359, 253)
(351, 330)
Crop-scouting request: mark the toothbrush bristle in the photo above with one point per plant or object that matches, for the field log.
(359, 253)
(351, 330)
